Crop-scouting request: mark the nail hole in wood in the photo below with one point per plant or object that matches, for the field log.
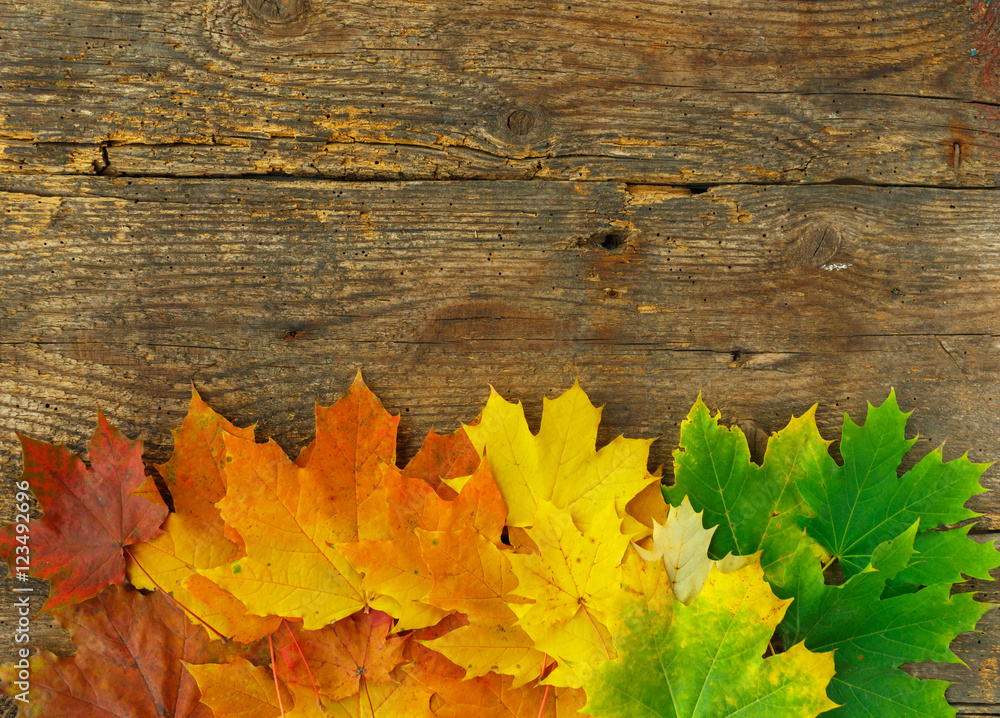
(613, 241)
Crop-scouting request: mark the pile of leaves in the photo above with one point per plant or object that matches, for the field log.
(500, 573)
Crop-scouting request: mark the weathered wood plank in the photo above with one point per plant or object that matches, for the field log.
(271, 294)
(665, 92)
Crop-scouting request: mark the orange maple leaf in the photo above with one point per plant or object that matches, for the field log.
(395, 567)
(339, 657)
(239, 688)
(474, 576)
(195, 536)
(291, 514)
(442, 457)
(488, 696)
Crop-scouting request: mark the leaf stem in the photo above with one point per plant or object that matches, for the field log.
(371, 707)
(166, 593)
(274, 673)
(545, 697)
(304, 661)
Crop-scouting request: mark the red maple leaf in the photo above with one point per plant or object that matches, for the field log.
(129, 653)
(91, 514)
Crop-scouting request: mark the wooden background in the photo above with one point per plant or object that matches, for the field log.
(773, 202)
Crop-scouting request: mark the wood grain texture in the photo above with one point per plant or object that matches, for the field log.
(665, 92)
(264, 196)
(272, 294)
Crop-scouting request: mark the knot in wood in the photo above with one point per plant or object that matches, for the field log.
(277, 12)
(520, 122)
(816, 244)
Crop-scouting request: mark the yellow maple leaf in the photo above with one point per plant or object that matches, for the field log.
(282, 512)
(493, 646)
(171, 561)
(570, 585)
(560, 463)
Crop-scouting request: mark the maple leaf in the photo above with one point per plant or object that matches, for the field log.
(355, 437)
(194, 472)
(395, 567)
(488, 696)
(645, 508)
(284, 514)
(170, 562)
(129, 653)
(194, 536)
(443, 457)
(942, 557)
(754, 506)
(874, 636)
(459, 546)
(560, 464)
(239, 689)
(847, 512)
(338, 656)
(291, 515)
(570, 586)
(222, 611)
(871, 519)
(473, 575)
(401, 697)
(90, 514)
(704, 659)
(864, 502)
(682, 544)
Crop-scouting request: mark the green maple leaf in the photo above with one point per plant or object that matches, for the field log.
(865, 502)
(942, 557)
(704, 660)
(873, 636)
(895, 606)
(755, 507)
